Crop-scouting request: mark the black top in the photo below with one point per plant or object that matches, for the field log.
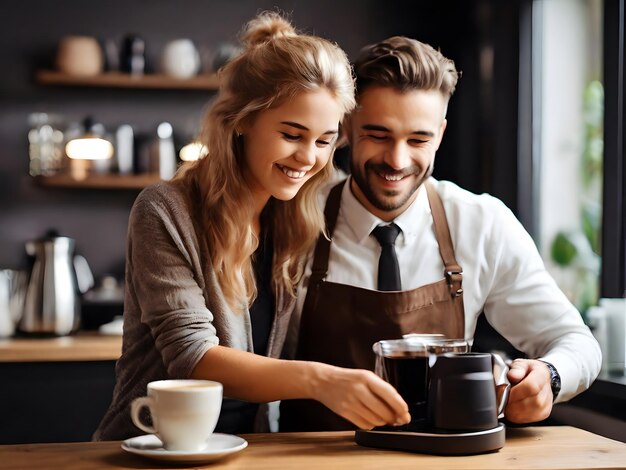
(262, 310)
(237, 417)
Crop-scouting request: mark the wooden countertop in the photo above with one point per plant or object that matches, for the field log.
(80, 347)
(550, 448)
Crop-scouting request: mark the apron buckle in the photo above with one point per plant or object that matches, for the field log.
(455, 278)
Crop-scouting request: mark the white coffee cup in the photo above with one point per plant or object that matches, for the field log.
(184, 412)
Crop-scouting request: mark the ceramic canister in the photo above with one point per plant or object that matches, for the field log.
(79, 55)
(180, 59)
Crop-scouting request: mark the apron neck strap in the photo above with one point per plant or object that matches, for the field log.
(453, 271)
(322, 248)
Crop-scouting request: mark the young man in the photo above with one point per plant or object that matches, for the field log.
(456, 254)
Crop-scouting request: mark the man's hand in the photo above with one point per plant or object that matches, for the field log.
(530, 398)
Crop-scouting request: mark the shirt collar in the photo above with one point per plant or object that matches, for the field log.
(361, 221)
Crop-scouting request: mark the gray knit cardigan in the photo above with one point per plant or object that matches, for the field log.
(174, 309)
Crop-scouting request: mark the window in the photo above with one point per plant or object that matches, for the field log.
(567, 50)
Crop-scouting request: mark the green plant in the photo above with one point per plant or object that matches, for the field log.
(563, 251)
(578, 253)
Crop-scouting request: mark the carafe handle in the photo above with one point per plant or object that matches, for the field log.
(502, 397)
(500, 371)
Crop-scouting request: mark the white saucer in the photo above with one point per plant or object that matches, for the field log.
(218, 446)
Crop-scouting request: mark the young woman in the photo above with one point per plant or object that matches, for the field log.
(214, 256)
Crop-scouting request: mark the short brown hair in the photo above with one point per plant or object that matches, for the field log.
(405, 64)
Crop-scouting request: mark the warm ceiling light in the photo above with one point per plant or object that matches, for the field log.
(193, 151)
(89, 148)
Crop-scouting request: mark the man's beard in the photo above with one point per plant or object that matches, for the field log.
(387, 201)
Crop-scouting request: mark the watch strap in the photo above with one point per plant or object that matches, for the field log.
(555, 380)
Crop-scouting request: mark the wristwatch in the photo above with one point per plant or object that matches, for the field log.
(555, 380)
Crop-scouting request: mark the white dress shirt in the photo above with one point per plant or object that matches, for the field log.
(503, 275)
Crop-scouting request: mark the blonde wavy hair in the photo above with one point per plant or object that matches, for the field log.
(275, 65)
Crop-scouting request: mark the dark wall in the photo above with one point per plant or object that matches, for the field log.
(482, 114)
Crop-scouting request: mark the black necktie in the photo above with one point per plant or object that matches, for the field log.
(388, 269)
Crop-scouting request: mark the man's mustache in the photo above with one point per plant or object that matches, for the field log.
(384, 168)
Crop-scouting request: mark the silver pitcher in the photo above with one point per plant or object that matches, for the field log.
(57, 280)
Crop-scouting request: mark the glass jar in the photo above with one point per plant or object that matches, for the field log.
(45, 144)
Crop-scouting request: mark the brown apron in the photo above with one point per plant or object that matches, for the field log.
(340, 323)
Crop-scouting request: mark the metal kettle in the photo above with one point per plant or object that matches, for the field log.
(57, 280)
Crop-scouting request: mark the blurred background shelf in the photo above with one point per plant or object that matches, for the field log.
(105, 181)
(209, 82)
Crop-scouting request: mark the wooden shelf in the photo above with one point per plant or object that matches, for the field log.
(208, 82)
(105, 181)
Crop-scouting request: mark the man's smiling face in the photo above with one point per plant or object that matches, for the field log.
(393, 137)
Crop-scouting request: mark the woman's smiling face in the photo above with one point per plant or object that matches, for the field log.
(286, 145)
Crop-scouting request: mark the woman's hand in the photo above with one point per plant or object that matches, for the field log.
(359, 396)
(530, 398)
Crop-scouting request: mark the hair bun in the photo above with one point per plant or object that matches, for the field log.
(265, 27)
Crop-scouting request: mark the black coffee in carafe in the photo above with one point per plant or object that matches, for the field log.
(409, 376)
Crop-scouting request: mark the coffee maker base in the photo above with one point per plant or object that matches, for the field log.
(468, 443)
